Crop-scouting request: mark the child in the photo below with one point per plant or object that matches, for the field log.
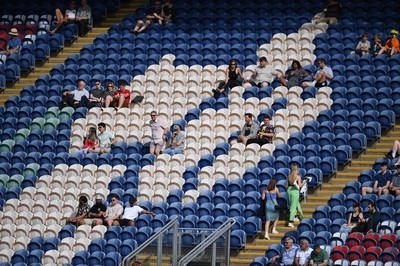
(377, 45)
(363, 46)
(392, 44)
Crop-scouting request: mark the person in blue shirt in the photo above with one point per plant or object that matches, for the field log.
(381, 183)
(13, 44)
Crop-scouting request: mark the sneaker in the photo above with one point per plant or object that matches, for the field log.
(296, 219)
(274, 231)
(290, 224)
(266, 236)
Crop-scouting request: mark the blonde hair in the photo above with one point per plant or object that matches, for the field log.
(294, 172)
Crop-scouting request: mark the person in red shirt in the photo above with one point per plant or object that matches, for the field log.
(392, 44)
(121, 98)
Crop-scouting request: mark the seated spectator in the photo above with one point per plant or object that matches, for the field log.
(265, 134)
(369, 223)
(96, 97)
(249, 130)
(112, 214)
(153, 16)
(381, 182)
(294, 75)
(60, 20)
(73, 98)
(175, 144)
(109, 91)
(90, 141)
(232, 74)
(392, 44)
(98, 211)
(106, 139)
(354, 219)
(363, 46)
(378, 45)
(83, 17)
(159, 130)
(121, 97)
(262, 76)
(167, 12)
(70, 13)
(83, 210)
(13, 44)
(131, 213)
(303, 254)
(288, 254)
(323, 76)
(331, 14)
(394, 152)
(319, 257)
(394, 187)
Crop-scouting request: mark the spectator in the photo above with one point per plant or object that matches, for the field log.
(294, 75)
(83, 17)
(394, 187)
(121, 98)
(98, 211)
(167, 12)
(113, 212)
(90, 141)
(266, 133)
(392, 44)
(96, 97)
(288, 254)
(393, 153)
(131, 213)
(110, 91)
(59, 20)
(153, 16)
(262, 76)
(270, 194)
(378, 45)
(303, 254)
(232, 74)
(381, 182)
(363, 46)
(83, 210)
(331, 14)
(73, 98)
(106, 139)
(323, 76)
(70, 13)
(249, 130)
(369, 223)
(159, 129)
(13, 44)
(176, 142)
(319, 257)
(294, 185)
(354, 219)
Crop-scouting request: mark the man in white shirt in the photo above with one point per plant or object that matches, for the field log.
(262, 76)
(131, 213)
(106, 139)
(113, 212)
(73, 98)
(159, 129)
(323, 76)
(303, 254)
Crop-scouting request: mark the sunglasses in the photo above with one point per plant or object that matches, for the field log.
(109, 86)
(233, 64)
(97, 84)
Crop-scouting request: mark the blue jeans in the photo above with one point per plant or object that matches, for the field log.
(173, 150)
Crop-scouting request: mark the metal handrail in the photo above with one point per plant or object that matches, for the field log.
(172, 223)
(210, 240)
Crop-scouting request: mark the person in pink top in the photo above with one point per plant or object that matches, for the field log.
(159, 129)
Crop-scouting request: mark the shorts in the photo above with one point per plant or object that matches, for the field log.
(158, 145)
(317, 85)
(106, 149)
(124, 222)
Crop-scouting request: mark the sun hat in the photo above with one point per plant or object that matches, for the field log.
(13, 32)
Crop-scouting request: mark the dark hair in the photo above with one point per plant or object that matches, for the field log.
(266, 116)
(297, 63)
(383, 164)
(83, 199)
(321, 60)
(249, 115)
(271, 184)
(372, 204)
(101, 124)
(115, 196)
(132, 200)
(262, 58)
(356, 204)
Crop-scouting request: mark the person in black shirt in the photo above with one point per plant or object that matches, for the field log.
(369, 223)
(97, 211)
(331, 14)
(167, 12)
(265, 133)
(153, 16)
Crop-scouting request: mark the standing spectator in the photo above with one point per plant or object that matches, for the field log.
(83, 210)
(262, 75)
(73, 98)
(96, 97)
(153, 16)
(392, 44)
(167, 12)
(287, 255)
(60, 20)
(369, 223)
(270, 194)
(378, 45)
(113, 212)
(394, 187)
(13, 44)
(98, 211)
(265, 134)
(331, 14)
(106, 139)
(232, 74)
(294, 75)
(159, 129)
(176, 142)
(294, 185)
(131, 213)
(363, 46)
(319, 257)
(354, 219)
(381, 182)
(303, 254)
(83, 17)
(323, 76)
(121, 97)
(249, 130)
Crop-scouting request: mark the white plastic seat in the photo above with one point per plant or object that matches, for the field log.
(147, 171)
(25, 205)
(251, 149)
(50, 257)
(206, 172)
(250, 161)
(236, 103)
(281, 138)
(236, 161)
(176, 183)
(71, 194)
(236, 125)
(193, 92)
(236, 149)
(72, 181)
(192, 137)
(54, 218)
(251, 102)
(7, 230)
(70, 205)
(166, 70)
(236, 173)
(280, 114)
(39, 218)
(178, 113)
(52, 230)
(161, 183)
(55, 205)
(265, 103)
(294, 103)
(79, 124)
(324, 104)
(37, 230)
(117, 170)
(220, 172)
(323, 93)
(310, 104)
(81, 244)
(121, 124)
(176, 160)
(236, 93)
(60, 169)
(65, 256)
(160, 195)
(221, 136)
(58, 193)
(21, 242)
(145, 195)
(6, 243)
(192, 147)
(76, 169)
(310, 115)
(190, 196)
(88, 192)
(279, 92)
(294, 92)
(191, 159)
(44, 181)
(11, 205)
(295, 115)
(98, 231)
(206, 184)
(295, 126)
(5, 254)
(266, 149)
(207, 114)
(42, 193)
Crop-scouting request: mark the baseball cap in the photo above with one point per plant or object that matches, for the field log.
(175, 127)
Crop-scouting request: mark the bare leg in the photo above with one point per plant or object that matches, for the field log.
(146, 24)
(267, 229)
(109, 99)
(274, 225)
(283, 80)
(137, 26)
(121, 101)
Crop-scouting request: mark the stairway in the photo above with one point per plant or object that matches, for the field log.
(259, 245)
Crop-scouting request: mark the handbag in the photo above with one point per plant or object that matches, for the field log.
(276, 205)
